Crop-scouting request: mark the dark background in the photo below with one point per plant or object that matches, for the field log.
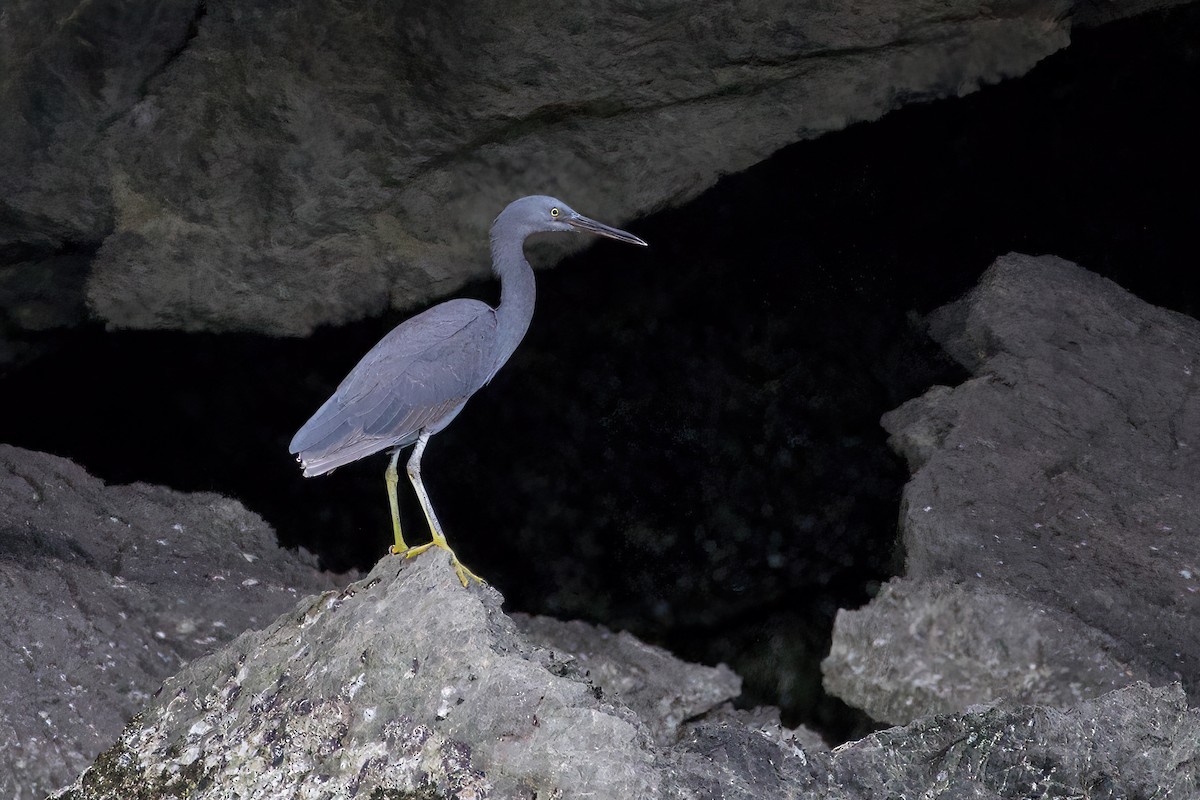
(687, 444)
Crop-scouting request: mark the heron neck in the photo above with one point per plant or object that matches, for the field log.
(517, 293)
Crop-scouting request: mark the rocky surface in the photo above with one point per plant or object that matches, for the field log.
(404, 685)
(1136, 742)
(663, 691)
(276, 167)
(1052, 516)
(936, 646)
(401, 683)
(70, 70)
(107, 590)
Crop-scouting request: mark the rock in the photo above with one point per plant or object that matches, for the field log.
(107, 591)
(401, 683)
(1135, 742)
(763, 720)
(252, 166)
(70, 70)
(405, 685)
(295, 186)
(662, 690)
(1049, 523)
(935, 646)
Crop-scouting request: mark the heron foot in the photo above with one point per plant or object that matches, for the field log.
(465, 576)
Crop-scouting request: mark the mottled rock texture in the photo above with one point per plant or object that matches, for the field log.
(1134, 742)
(401, 683)
(107, 590)
(662, 690)
(1057, 489)
(936, 645)
(275, 166)
(405, 685)
(68, 71)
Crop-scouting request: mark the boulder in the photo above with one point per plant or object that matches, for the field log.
(663, 691)
(1134, 742)
(107, 591)
(934, 646)
(406, 685)
(1050, 523)
(403, 682)
(274, 167)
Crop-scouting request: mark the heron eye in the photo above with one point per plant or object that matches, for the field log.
(554, 212)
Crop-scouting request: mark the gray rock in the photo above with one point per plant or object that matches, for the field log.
(406, 685)
(764, 721)
(1135, 742)
(1057, 486)
(107, 591)
(934, 646)
(294, 185)
(402, 683)
(275, 167)
(662, 690)
(70, 69)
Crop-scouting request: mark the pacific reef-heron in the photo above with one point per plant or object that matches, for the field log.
(417, 379)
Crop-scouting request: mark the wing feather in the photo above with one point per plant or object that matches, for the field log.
(419, 374)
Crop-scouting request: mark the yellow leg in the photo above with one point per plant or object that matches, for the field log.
(390, 478)
(439, 539)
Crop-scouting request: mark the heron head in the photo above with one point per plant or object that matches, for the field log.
(542, 214)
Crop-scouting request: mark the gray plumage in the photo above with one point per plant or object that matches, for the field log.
(417, 379)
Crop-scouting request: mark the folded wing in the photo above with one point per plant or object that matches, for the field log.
(416, 377)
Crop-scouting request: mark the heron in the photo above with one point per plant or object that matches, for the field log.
(418, 377)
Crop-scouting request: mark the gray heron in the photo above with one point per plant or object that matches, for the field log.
(417, 379)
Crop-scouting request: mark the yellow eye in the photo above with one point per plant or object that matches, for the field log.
(554, 212)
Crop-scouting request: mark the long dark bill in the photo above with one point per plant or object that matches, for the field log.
(582, 223)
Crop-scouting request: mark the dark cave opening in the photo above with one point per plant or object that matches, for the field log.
(687, 443)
